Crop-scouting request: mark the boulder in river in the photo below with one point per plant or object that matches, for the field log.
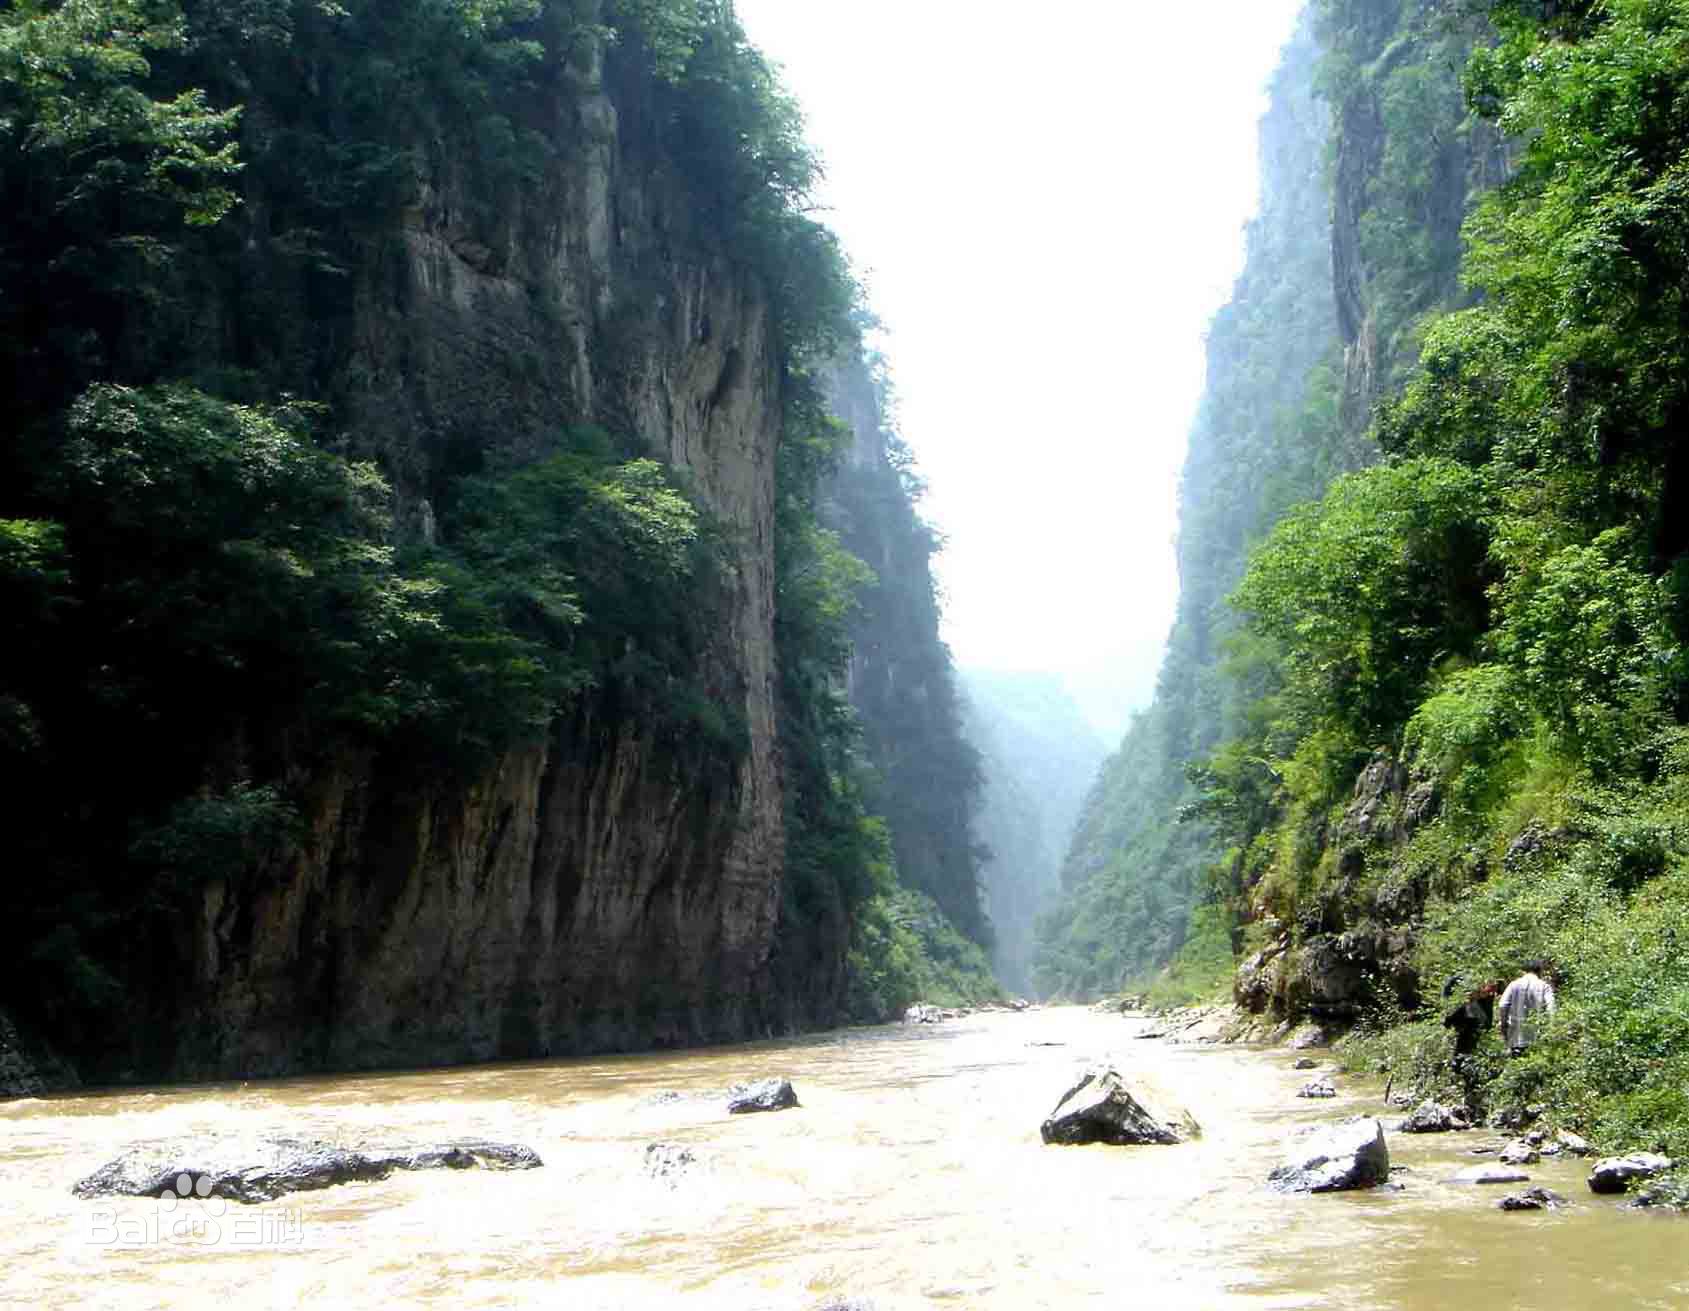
(1489, 1174)
(1574, 1143)
(1318, 1088)
(1519, 1153)
(1616, 1173)
(1432, 1117)
(1100, 1109)
(1331, 1158)
(921, 1013)
(1532, 1199)
(262, 1170)
(1305, 1063)
(763, 1095)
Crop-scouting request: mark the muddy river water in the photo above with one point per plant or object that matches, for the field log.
(912, 1176)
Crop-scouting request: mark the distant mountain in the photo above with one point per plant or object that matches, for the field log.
(1039, 755)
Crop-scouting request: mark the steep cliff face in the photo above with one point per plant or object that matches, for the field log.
(616, 885)
(1370, 161)
(902, 682)
(1406, 160)
(1266, 435)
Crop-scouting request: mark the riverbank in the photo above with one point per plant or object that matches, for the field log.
(911, 1176)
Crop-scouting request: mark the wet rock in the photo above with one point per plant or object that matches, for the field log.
(1305, 1063)
(1519, 1153)
(1308, 1036)
(921, 1013)
(763, 1095)
(1532, 1199)
(1489, 1174)
(1257, 979)
(28, 1066)
(666, 1162)
(1433, 1117)
(668, 1097)
(1616, 1173)
(1318, 1088)
(1021, 1004)
(1573, 1143)
(252, 1171)
(1334, 1158)
(1100, 1109)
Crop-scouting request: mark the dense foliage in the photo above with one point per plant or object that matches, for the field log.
(222, 581)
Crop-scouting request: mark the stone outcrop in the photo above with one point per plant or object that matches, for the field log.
(1519, 1153)
(1433, 1117)
(1099, 1108)
(1319, 1088)
(1532, 1199)
(1615, 1174)
(263, 1170)
(1333, 1158)
(762, 1095)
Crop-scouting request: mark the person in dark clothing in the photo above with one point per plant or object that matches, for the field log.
(1472, 1019)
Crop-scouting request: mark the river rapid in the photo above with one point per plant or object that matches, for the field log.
(912, 1176)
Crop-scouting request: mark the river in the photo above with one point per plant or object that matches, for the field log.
(912, 1176)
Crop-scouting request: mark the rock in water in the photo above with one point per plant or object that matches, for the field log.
(1489, 1174)
(1430, 1117)
(1305, 1063)
(920, 1013)
(1100, 1109)
(1574, 1143)
(763, 1095)
(1519, 1153)
(1318, 1088)
(268, 1168)
(1335, 1158)
(1532, 1199)
(1615, 1173)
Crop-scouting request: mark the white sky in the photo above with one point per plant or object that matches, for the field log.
(1048, 204)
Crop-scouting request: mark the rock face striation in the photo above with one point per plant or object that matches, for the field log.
(1100, 1109)
(1334, 1158)
(261, 1171)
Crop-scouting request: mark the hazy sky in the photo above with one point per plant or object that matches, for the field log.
(1048, 204)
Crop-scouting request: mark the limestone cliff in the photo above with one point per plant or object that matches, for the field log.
(614, 886)
(902, 681)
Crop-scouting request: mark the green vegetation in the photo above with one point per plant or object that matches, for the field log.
(229, 579)
(1494, 614)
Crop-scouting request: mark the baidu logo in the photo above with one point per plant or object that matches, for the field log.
(188, 1215)
(185, 1188)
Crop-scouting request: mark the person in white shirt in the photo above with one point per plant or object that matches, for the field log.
(1528, 1000)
